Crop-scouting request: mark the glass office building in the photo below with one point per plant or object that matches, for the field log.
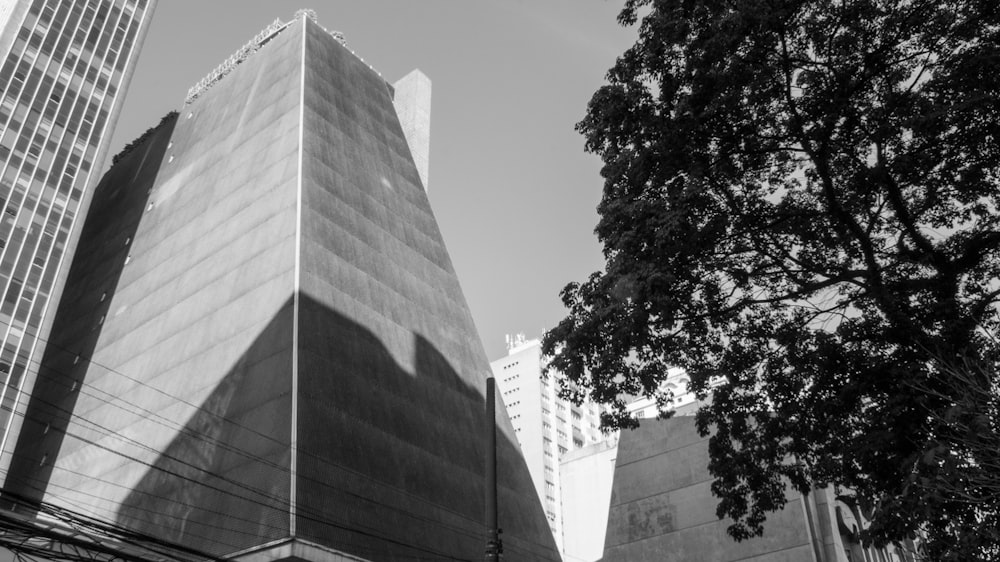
(65, 65)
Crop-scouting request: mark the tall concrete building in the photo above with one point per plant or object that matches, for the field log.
(66, 65)
(263, 351)
(546, 426)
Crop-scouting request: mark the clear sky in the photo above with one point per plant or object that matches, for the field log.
(511, 187)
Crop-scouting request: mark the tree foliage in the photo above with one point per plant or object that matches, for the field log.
(801, 210)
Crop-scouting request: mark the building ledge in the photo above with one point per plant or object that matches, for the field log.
(294, 550)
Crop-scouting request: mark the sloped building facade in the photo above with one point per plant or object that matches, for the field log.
(264, 351)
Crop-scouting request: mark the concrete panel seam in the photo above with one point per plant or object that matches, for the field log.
(771, 553)
(661, 453)
(674, 531)
(293, 443)
(692, 485)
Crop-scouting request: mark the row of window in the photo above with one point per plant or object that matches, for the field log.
(58, 83)
(82, 33)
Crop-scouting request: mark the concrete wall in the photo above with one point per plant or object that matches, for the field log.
(586, 475)
(412, 101)
(662, 508)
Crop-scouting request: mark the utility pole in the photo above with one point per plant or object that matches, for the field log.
(494, 547)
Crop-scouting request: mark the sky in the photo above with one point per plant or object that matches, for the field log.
(512, 189)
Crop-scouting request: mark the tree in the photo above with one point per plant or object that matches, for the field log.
(801, 205)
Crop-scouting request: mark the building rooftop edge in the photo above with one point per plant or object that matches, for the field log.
(253, 45)
(518, 342)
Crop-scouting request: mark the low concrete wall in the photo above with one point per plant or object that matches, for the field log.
(662, 507)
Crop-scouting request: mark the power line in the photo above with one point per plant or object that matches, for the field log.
(322, 519)
(118, 402)
(87, 538)
(109, 433)
(92, 513)
(236, 548)
(178, 399)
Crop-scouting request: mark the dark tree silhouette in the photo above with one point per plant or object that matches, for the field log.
(801, 210)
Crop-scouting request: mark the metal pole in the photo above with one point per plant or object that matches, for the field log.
(492, 531)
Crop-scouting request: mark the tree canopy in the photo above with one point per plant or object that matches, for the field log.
(801, 210)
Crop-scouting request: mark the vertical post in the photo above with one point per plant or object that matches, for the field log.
(492, 531)
(811, 529)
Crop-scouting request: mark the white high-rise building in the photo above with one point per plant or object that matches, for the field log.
(546, 426)
(65, 66)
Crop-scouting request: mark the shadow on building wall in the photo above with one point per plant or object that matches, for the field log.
(389, 462)
(222, 484)
(117, 208)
